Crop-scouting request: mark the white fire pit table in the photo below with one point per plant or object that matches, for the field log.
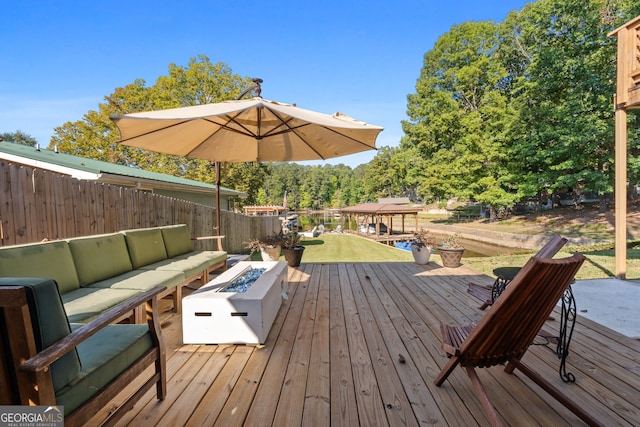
(212, 315)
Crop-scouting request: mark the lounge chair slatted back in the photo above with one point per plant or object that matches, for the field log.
(509, 327)
(486, 293)
(552, 247)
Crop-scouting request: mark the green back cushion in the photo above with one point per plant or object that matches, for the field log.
(100, 257)
(177, 240)
(50, 259)
(145, 246)
(50, 324)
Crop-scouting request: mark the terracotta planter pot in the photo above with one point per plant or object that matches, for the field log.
(270, 253)
(451, 257)
(293, 255)
(421, 253)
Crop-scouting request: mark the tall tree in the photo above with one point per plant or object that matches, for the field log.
(457, 118)
(563, 137)
(381, 178)
(18, 137)
(199, 82)
(247, 177)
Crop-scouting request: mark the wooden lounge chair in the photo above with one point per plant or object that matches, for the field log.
(488, 294)
(507, 330)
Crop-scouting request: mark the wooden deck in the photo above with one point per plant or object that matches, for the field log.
(359, 344)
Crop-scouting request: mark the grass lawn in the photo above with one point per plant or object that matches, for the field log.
(600, 264)
(348, 248)
(329, 247)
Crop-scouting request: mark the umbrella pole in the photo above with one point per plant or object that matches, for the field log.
(217, 168)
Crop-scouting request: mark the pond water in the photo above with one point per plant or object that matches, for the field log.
(473, 248)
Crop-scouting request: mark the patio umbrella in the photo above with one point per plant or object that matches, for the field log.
(249, 130)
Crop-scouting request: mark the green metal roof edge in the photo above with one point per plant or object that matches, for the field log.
(98, 166)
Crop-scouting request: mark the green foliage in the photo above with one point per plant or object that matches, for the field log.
(380, 179)
(457, 119)
(291, 240)
(312, 187)
(563, 134)
(200, 82)
(247, 177)
(95, 135)
(18, 137)
(501, 112)
(507, 111)
(451, 241)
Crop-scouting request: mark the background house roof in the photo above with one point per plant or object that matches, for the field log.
(109, 173)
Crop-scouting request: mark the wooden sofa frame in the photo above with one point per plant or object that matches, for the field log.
(31, 369)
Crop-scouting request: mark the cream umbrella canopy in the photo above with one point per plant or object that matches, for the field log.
(249, 130)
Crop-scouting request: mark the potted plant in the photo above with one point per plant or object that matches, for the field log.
(292, 248)
(451, 250)
(269, 248)
(421, 246)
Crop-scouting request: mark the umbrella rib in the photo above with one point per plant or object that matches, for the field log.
(154, 131)
(248, 132)
(225, 126)
(293, 130)
(232, 119)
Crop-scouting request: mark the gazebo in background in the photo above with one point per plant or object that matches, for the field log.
(264, 210)
(377, 214)
(627, 97)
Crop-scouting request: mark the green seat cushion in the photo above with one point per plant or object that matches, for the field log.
(100, 257)
(145, 246)
(83, 304)
(209, 257)
(50, 259)
(142, 280)
(189, 266)
(50, 324)
(177, 240)
(104, 355)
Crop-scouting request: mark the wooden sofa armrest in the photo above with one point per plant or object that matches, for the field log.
(219, 238)
(41, 361)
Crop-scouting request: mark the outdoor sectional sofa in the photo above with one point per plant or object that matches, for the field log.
(96, 273)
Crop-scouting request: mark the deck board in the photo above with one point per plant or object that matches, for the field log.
(359, 344)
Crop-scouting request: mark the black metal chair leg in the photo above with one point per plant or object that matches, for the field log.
(567, 323)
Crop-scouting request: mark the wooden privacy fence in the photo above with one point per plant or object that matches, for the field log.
(36, 204)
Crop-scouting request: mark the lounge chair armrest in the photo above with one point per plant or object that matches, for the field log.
(454, 336)
(46, 357)
(219, 238)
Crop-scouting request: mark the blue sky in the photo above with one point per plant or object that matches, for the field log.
(59, 59)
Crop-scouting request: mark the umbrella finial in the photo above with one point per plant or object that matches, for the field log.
(255, 87)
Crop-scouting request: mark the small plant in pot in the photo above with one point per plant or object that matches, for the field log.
(421, 246)
(451, 250)
(292, 248)
(269, 248)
